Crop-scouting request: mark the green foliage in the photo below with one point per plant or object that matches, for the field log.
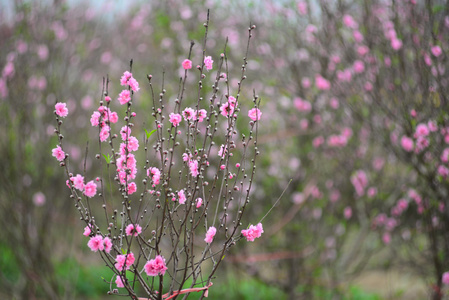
(247, 289)
(86, 279)
(355, 293)
(8, 263)
(150, 133)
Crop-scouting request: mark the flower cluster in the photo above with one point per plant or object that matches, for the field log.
(156, 266)
(124, 261)
(98, 243)
(253, 232)
(89, 189)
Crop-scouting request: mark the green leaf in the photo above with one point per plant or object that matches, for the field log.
(107, 158)
(150, 133)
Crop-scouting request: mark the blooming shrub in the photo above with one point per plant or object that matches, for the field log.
(175, 188)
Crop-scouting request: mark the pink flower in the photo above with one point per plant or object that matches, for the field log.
(201, 115)
(210, 234)
(208, 62)
(359, 67)
(124, 97)
(302, 105)
(302, 7)
(130, 163)
(358, 36)
(321, 83)
(362, 50)
(427, 59)
(318, 141)
(348, 213)
(402, 204)
(199, 202)
(222, 151)
(445, 155)
(344, 75)
(349, 22)
(334, 103)
(436, 50)
(432, 125)
(90, 189)
(443, 171)
(193, 166)
(133, 84)
(254, 114)
(132, 188)
(156, 266)
(253, 232)
(155, 175)
(372, 191)
(87, 231)
(133, 143)
(359, 181)
(186, 157)
(226, 109)
(78, 182)
(107, 243)
(133, 230)
(58, 153)
(182, 197)
(124, 79)
(422, 130)
(61, 109)
(386, 238)
(104, 133)
(188, 113)
(113, 117)
(8, 70)
(305, 82)
(175, 119)
(119, 282)
(232, 101)
(95, 118)
(124, 261)
(407, 143)
(445, 278)
(368, 86)
(396, 44)
(187, 64)
(96, 243)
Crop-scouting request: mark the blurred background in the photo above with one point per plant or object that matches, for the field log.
(355, 113)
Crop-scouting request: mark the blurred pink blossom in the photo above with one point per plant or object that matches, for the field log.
(436, 50)
(347, 212)
(321, 83)
(349, 22)
(39, 199)
(359, 180)
(210, 234)
(302, 7)
(407, 143)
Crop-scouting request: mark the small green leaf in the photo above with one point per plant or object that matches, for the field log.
(150, 133)
(223, 257)
(123, 251)
(107, 158)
